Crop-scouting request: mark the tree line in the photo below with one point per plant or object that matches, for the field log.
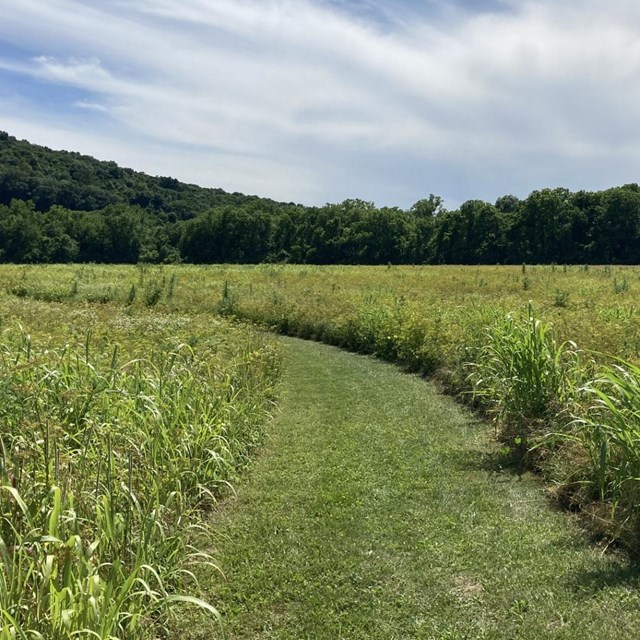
(57, 206)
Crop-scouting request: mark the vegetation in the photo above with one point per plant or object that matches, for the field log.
(523, 376)
(119, 428)
(57, 207)
(536, 371)
(130, 398)
(129, 405)
(379, 509)
(495, 335)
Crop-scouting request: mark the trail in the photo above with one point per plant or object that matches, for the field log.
(377, 510)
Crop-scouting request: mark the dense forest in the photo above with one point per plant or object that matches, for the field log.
(58, 206)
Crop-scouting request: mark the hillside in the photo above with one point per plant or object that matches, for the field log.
(82, 183)
(92, 210)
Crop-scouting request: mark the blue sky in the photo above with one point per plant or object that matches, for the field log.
(316, 101)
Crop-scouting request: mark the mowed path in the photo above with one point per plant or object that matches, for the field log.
(376, 510)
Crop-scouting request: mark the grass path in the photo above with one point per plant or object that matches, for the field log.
(374, 512)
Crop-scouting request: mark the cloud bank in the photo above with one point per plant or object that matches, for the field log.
(314, 101)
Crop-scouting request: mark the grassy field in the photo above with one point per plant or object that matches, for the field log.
(378, 509)
(119, 429)
(594, 306)
(537, 349)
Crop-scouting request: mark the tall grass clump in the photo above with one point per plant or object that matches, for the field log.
(608, 431)
(108, 452)
(523, 377)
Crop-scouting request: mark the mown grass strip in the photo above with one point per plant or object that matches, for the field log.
(377, 511)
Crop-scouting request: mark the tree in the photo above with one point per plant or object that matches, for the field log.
(428, 207)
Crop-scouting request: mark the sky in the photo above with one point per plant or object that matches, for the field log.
(316, 101)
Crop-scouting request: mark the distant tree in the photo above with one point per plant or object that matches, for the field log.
(21, 236)
(58, 243)
(617, 227)
(545, 227)
(427, 207)
(484, 232)
(507, 204)
(93, 236)
(423, 232)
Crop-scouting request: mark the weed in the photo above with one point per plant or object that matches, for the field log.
(609, 431)
(620, 286)
(227, 304)
(131, 296)
(561, 298)
(523, 376)
(172, 287)
(108, 451)
(153, 293)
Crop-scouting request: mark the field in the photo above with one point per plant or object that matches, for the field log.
(131, 397)
(119, 430)
(594, 306)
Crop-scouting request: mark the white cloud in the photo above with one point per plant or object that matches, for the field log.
(284, 97)
(91, 106)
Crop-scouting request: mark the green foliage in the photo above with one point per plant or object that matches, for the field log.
(110, 447)
(153, 292)
(131, 296)
(82, 183)
(620, 286)
(57, 206)
(227, 305)
(561, 298)
(608, 430)
(523, 376)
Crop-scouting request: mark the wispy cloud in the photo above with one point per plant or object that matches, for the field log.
(91, 106)
(315, 100)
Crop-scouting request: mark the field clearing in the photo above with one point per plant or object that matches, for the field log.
(593, 305)
(535, 347)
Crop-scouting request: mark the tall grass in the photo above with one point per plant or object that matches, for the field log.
(109, 451)
(608, 431)
(523, 376)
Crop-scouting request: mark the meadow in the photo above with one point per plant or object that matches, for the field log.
(120, 430)
(131, 396)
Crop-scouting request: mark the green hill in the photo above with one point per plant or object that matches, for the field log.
(82, 183)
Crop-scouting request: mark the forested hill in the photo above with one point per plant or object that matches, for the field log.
(58, 206)
(82, 183)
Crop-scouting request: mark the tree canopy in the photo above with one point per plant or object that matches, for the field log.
(59, 206)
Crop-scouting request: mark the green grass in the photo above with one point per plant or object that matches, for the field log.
(113, 442)
(547, 379)
(378, 510)
(524, 378)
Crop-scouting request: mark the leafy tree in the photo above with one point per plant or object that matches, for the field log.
(21, 236)
(427, 207)
(544, 231)
(57, 206)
